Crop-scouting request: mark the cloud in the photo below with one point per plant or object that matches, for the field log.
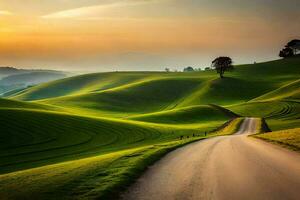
(116, 9)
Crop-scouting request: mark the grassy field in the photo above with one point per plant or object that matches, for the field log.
(283, 114)
(288, 138)
(101, 176)
(32, 138)
(89, 136)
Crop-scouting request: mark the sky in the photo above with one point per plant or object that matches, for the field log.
(110, 35)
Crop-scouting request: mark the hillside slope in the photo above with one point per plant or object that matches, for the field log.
(289, 91)
(36, 135)
(13, 79)
(269, 90)
(246, 82)
(187, 115)
(84, 132)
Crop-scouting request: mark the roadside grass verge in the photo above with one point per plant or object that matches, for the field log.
(136, 166)
(289, 138)
(229, 127)
(262, 126)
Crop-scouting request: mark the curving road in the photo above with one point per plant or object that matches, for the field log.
(227, 167)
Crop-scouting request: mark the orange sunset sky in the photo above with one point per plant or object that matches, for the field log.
(105, 35)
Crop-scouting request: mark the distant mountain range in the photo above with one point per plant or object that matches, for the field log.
(6, 71)
(16, 79)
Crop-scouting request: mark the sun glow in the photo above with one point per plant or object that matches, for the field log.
(171, 31)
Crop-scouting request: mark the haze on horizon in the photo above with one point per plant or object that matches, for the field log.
(105, 35)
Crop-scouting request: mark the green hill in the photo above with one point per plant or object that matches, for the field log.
(80, 136)
(289, 91)
(129, 91)
(79, 85)
(141, 97)
(31, 137)
(14, 104)
(187, 115)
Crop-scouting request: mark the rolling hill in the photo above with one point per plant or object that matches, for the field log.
(88, 134)
(13, 80)
(187, 115)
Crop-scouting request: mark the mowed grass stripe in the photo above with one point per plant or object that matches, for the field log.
(279, 114)
(98, 177)
(69, 135)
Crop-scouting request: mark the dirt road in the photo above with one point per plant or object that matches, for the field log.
(227, 167)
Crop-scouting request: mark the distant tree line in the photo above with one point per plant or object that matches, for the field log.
(220, 64)
(191, 69)
(224, 63)
(188, 69)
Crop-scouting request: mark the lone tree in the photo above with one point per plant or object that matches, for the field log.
(286, 52)
(290, 49)
(294, 45)
(222, 64)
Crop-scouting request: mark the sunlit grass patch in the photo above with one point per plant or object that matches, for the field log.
(230, 127)
(289, 138)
